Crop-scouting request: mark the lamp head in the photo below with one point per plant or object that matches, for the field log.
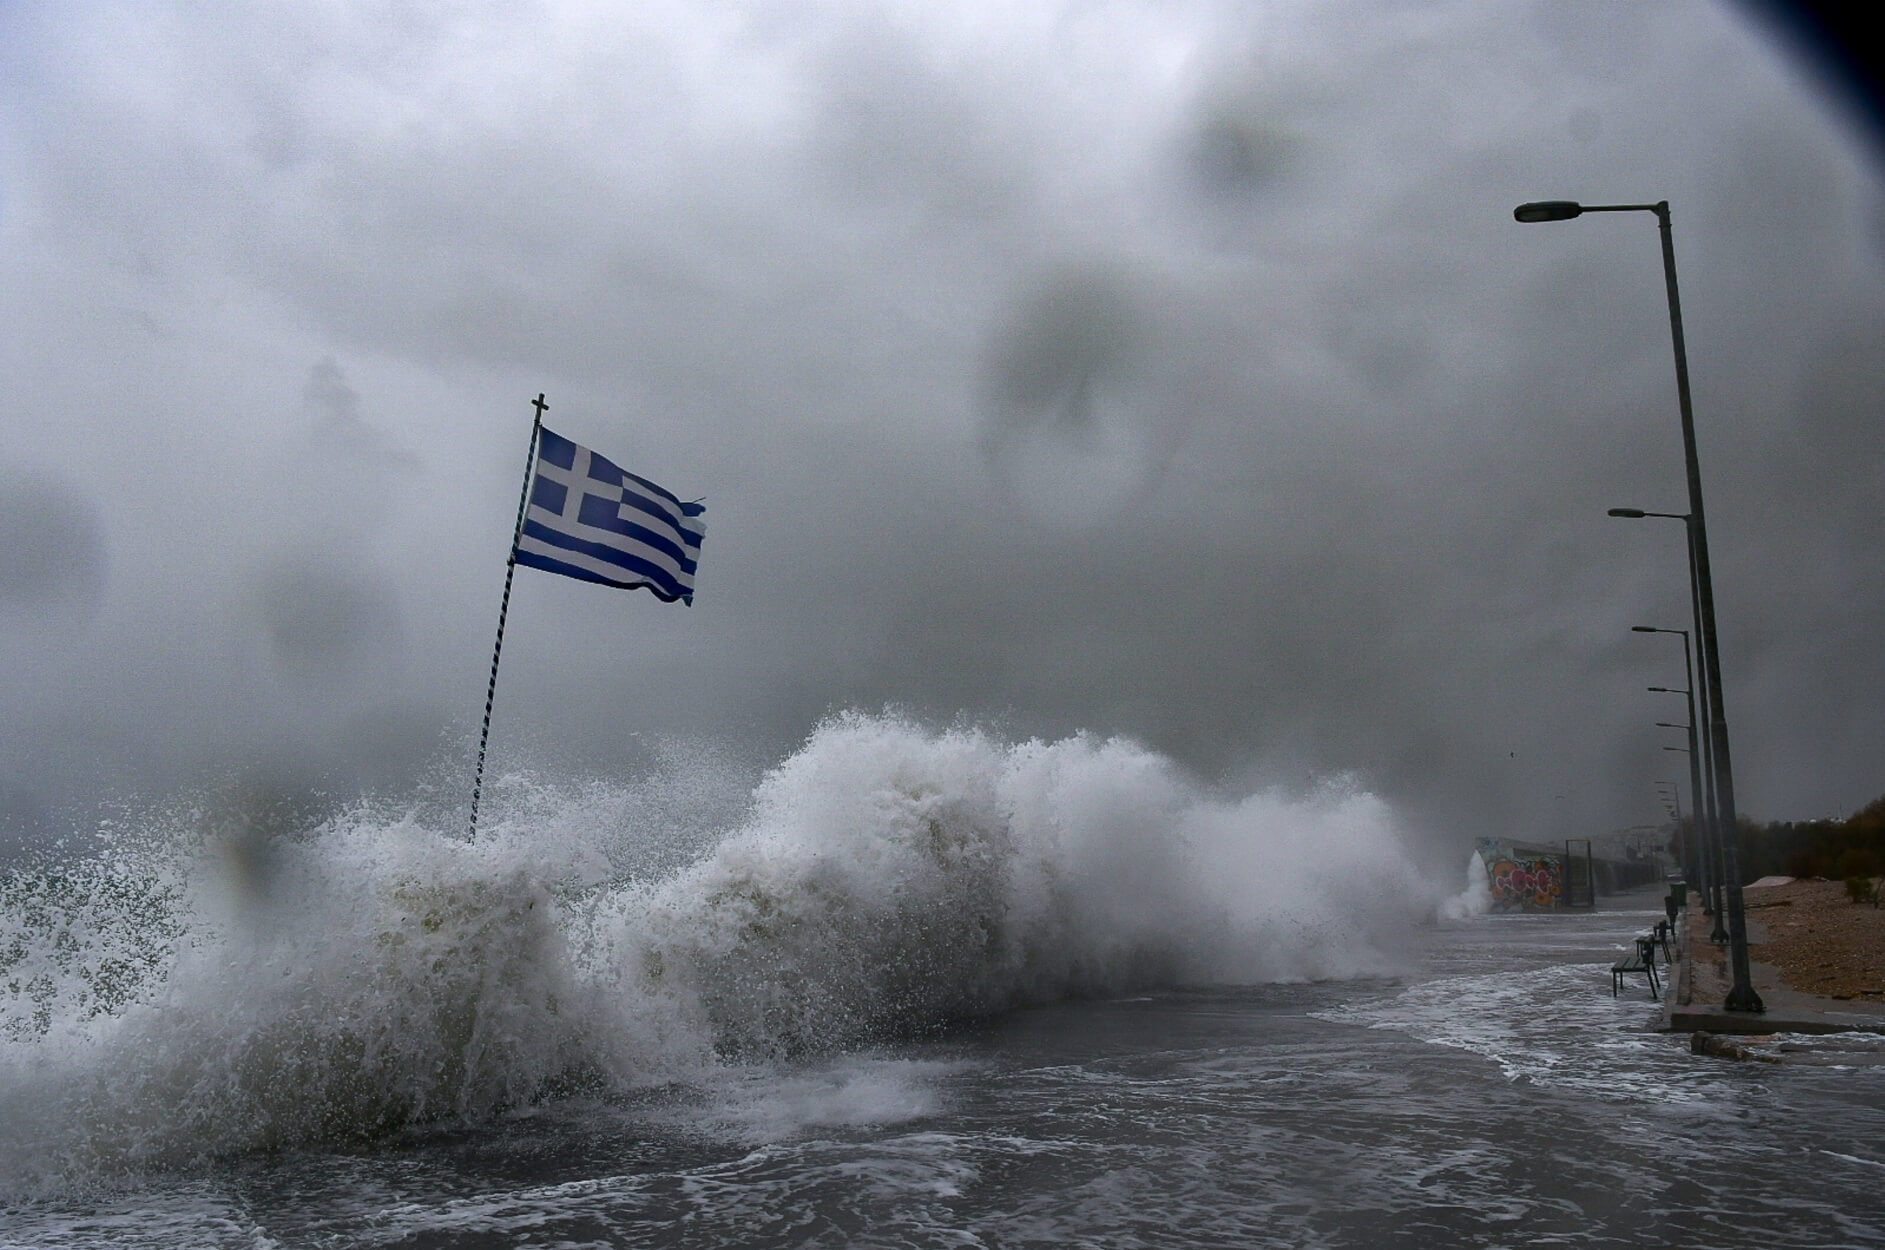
(1547, 210)
(1629, 512)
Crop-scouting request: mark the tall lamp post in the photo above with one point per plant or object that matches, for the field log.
(1741, 997)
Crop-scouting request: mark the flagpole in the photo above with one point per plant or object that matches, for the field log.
(510, 572)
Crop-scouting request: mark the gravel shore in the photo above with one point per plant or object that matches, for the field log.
(1808, 934)
(1818, 940)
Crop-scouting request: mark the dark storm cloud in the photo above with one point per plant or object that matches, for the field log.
(327, 625)
(1073, 336)
(52, 549)
(1175, 370)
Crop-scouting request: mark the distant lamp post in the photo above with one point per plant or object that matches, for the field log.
(1695, 792)
(1697, 694)
(1706, 825)
(1675, 796)
(1692, 844)
(1742, 996)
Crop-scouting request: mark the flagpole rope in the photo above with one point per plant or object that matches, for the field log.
(503, 610)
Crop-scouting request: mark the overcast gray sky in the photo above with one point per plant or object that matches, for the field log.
(1168, 369)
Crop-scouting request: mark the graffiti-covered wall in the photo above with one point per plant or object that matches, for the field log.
(1522, 879)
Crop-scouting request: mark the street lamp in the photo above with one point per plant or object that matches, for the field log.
(1742, 996)
(1712, 833)
(1695, 755)
(1707, 813)
(1675, 795)
(1694, 848)
(1699, 762)
(1695, 856)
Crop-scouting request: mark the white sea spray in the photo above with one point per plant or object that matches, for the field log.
(887, 879)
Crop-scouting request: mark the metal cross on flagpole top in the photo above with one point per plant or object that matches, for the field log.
(504, 607)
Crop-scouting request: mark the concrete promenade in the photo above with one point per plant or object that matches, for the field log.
(1702, 977)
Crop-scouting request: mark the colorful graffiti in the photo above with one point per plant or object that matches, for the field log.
(1526, 883)
(1522, 880)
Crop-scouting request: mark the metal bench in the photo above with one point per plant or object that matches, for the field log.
(1641, 959)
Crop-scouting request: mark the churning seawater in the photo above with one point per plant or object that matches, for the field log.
(930, 989)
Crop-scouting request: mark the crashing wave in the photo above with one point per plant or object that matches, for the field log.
(886, 880)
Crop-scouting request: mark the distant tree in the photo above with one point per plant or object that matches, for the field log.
(1836, 849)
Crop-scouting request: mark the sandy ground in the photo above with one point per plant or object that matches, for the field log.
(1811, 934)
(1818, 939)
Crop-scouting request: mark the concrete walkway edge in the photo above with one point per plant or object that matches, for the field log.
(1700, 982)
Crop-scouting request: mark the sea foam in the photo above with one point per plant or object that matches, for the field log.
(885, 880)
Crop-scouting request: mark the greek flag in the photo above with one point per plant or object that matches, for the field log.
(591, 520)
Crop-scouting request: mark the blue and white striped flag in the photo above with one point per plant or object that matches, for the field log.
(591, 520)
